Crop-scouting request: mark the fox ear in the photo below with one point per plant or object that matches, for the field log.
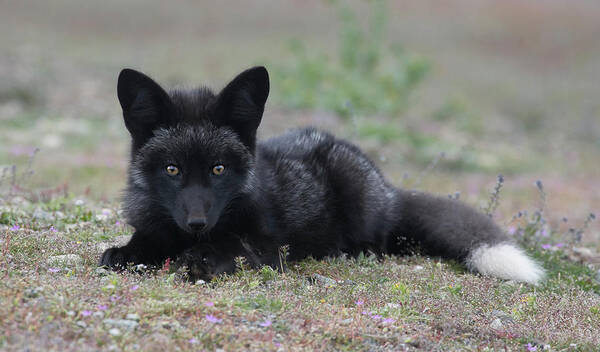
(146, 106)
(241, 103)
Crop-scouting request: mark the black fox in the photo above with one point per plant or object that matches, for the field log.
(202, 189)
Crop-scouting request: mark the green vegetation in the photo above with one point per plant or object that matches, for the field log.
(480, 103)
(368, 76)
(51, 284)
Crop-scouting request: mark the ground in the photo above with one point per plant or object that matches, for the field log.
(53, 295)
(512, 90)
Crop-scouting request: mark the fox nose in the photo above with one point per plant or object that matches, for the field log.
(196, 224)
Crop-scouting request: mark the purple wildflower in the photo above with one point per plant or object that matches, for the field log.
(53, 229)
(53, 270)
(193, 340)
(376, 316)
(364, 312)
(15, 227)
(531, 347)
(86, 313)
(19, 150)
(212, 319)
(114, 298)
(559, 245)
(546, 246)
(134, 288)
(102, 307)
(265, 323)
(512, 230)
(117, 223)
(388, 320)
(209, 304)
(359, 302)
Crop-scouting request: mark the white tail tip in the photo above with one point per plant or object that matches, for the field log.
(505, 261)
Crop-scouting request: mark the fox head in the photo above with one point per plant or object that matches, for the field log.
(192, 152)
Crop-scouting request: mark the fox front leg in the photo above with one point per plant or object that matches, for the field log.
(145, 248)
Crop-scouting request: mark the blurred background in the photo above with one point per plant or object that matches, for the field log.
(444, 95)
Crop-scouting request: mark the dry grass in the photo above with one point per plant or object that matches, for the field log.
(399, 303)
(513, 90)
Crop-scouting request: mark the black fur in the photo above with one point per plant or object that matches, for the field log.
(318, 194)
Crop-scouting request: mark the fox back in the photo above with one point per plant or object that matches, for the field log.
(203, 189)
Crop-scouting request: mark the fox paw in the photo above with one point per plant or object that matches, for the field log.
(117, 257)
(199, 264)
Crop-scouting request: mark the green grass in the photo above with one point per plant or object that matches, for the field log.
(391, 303)
(478, 95)
(366, 77)
(563, 274)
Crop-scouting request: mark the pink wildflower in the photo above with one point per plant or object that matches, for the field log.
(212, 319)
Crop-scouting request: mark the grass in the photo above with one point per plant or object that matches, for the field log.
(396, 303)
(364, 78)
(498, 92)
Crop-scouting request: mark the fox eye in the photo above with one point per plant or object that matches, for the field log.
(218, 169)
(172, 170)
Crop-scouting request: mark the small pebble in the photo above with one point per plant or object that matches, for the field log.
(101, 271)
(323, 280)
(98, 314)
(133, 316)
(497, 324)
(65, 260)
(346, 321)
(502, 315)
(122, 323)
